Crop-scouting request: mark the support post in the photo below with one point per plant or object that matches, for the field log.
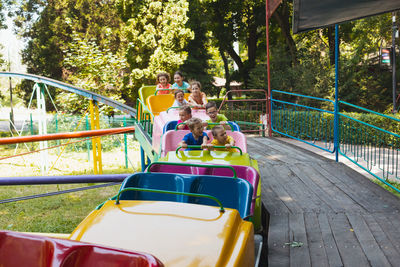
(394, 31)
(269, 103)
(96, 145)
(126, 146)
(142, 159)
(87, 140)
(42, 125)
(336, 118)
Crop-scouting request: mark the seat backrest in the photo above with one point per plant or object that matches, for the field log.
(233, 193)
(145, 91)
(243, 172)
(171, 139)
(170, 126)
(239, 137)
(160, 181)
(235, 126)
(159, 103)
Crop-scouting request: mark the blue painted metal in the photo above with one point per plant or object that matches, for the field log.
(88, 94)
(233, 193)
(336, 118)
(374, 149)
(301, 122)
(66, 179)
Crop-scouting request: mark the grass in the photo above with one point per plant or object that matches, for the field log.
(54, 214)
(60, 213)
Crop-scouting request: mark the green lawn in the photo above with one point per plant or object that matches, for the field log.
(53, 214)
(60, 213)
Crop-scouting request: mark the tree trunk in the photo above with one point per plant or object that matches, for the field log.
(282, 16)
(331, 43)
(227, 75)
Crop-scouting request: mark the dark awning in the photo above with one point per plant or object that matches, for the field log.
(312, 14)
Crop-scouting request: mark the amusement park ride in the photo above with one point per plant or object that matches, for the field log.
(186, 208)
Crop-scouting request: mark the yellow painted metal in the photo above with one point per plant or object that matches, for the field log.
(96, 143)
(216, 157)
(159, 103)
(179, 234)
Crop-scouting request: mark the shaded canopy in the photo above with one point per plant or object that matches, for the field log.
(312, 14)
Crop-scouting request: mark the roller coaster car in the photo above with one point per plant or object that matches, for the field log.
(236, 171)
(179, 234)
(171, 125)
(171, 140)
(164, 117)
(18, 249)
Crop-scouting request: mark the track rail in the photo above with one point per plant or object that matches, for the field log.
(73, 89)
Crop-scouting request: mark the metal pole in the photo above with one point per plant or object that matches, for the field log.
(394, 30)
(11, 99)
(126, 146)
(87, 141)
(336, 118)
(269, 104)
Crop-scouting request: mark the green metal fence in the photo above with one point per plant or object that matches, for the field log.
(362, 140)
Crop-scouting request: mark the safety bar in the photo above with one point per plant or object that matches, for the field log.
(194, 165)
(192, 146)
(221, 208)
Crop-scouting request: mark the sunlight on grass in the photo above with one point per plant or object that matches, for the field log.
(60, 213)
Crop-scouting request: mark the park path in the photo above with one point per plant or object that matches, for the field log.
(323, 213)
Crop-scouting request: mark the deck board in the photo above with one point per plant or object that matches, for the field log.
(340, 217)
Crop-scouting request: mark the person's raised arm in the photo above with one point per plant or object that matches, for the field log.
(204, 144)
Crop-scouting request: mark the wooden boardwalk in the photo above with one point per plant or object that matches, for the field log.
(339, 216)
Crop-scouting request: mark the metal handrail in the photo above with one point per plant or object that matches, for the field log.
(193, 165)
(72, 89)
(193, 146)
(221, 208)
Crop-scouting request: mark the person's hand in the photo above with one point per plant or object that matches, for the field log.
(184, 145)
(204, 146)
(228, 146)
(205, 124)
(181, 127)
(210, 147)
(223, 122)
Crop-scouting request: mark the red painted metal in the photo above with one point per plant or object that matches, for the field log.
(267, 11)
(242, 100)
(18, 249)
(59, 136)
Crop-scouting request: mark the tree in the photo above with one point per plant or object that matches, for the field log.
(196, 64)
(155, 36)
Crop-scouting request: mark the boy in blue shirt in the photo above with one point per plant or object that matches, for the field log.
(196, 136)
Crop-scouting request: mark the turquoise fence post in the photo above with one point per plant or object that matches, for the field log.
(126, 146)
(31, 124)
(336, 118)
(58, 141)
(87, 140)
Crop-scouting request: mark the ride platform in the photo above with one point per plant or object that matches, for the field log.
(323, 213)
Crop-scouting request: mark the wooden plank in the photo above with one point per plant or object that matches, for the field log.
(346, 241)
(332, 252)
(367, 241)
(272, 202)
(340, 199)
(359, 202)
(299, 256)
(312, 181)
(359, 192)
(391, 232)
(280, 151)
(280, 191)
(278, 236)
(314, 238)
(382, 239)
(308, 201)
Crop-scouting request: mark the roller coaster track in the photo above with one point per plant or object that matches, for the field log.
(73, 89)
